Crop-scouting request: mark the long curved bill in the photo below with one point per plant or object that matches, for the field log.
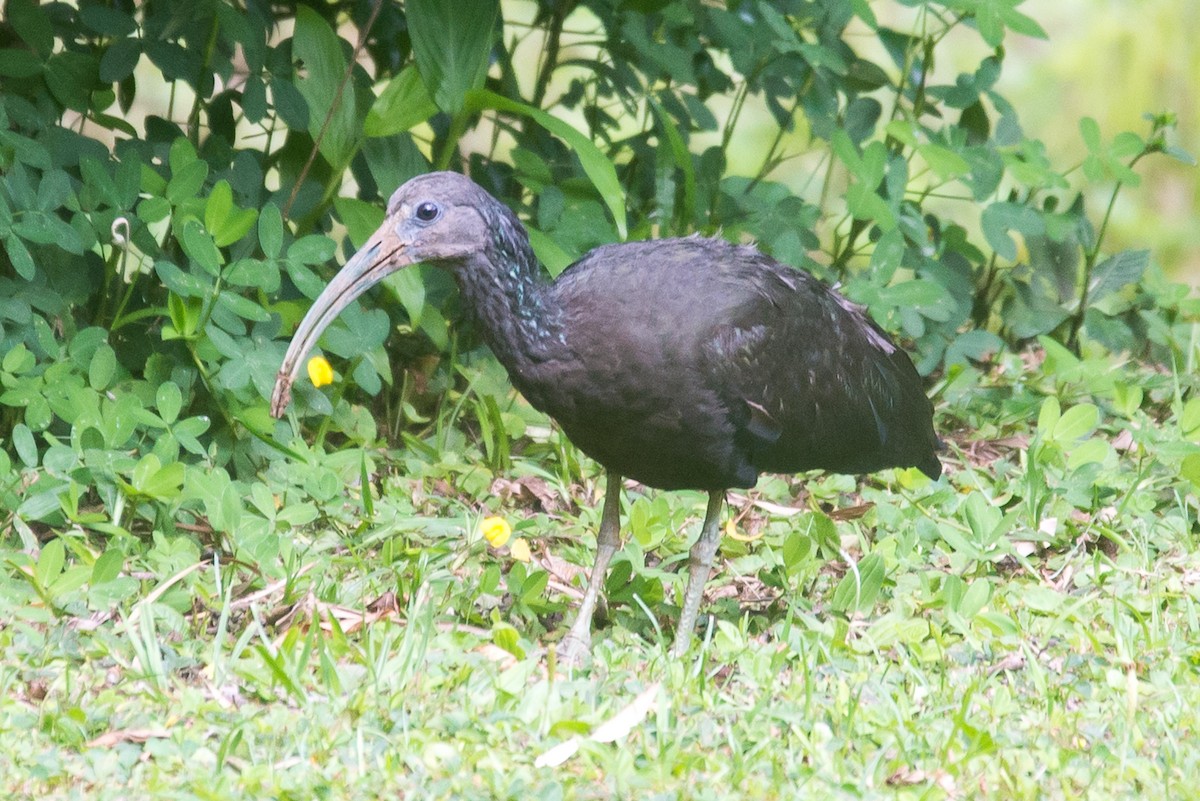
(383, 254)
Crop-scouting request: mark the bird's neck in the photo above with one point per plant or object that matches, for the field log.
(512, 300)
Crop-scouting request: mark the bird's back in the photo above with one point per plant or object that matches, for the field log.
(694, 363)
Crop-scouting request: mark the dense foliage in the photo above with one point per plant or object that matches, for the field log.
(154, 267)
(177, 182)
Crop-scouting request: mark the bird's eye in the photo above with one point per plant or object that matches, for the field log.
(428, 211)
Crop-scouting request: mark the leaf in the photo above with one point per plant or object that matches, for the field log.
(452, 42)
(200, 248)
(224, 220)
(859, 588)
(404, 102)
(1076, 422)
(44, 228)
(326, 87)
(18, 254)
(1116, 272)
(22, 439)
(102, 368)
(1000, 218)
(50, 562)
(595, 164)
(107, 567)
(360, 218)
(270, 230)
(187, 182)
(168, 400)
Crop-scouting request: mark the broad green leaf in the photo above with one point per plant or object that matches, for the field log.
(1048, 417)
(404, 102)
(360, 218)
(46, 228)
(1189, 419)
(22, 439)
(168, 400)
(548, 252)
(102, 368)
(270, 230)
(107, 567)
(200, 248)
(1088, 452)
(187, 182)
(18, 254)
(1000, 218)
(1076, 422)
(597, 165)
(859, 588)
(50, 562)
(187, 285)
(452, 43)
(327, 88)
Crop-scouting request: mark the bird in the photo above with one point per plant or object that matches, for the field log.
(682, 363)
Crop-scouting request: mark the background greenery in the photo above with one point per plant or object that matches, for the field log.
(202, 601)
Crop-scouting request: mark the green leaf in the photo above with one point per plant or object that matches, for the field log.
(404, 102)
(107, 567)
(186, 183)
(50, 562)
(32, 24)
(22, 439)
(253, 273)
(200, 248)
(45, 228)
(1117, 272)
(19, 64)
(1048, 417)
(360, 218)
(102, 368)
(1075, 423)
(270, 230)
(225, 221)
(18, 254)
(452, 42)
(187, 285)
(152, 479)
(119, 59)
(327, 88)
(1090, 451)
(859, 588)
(982, 518)
(1000, 218)
(595, 164)
(168, 400)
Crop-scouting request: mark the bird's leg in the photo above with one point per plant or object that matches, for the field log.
(577, 645)
(698, 568)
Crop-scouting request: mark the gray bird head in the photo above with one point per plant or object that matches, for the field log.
(441, 218)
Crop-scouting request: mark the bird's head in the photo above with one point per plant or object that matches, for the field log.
(439, 218)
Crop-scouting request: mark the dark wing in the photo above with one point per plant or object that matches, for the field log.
(812, 383)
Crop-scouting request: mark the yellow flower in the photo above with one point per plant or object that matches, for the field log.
(496, 531)
(319, 371)
(519, 550)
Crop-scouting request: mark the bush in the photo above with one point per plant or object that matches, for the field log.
(176, 177)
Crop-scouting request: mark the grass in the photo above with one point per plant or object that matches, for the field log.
(1027, 627)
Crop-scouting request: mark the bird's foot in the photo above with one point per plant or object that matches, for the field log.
(574, 651)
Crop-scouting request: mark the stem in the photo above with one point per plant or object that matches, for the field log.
(1089, 262)
(458, 126)
(193, 124)
(333, 107)
(553, 43)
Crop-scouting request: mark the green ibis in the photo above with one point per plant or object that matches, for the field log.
(687, 363)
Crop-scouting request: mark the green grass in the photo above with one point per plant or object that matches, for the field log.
(1027, 627)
